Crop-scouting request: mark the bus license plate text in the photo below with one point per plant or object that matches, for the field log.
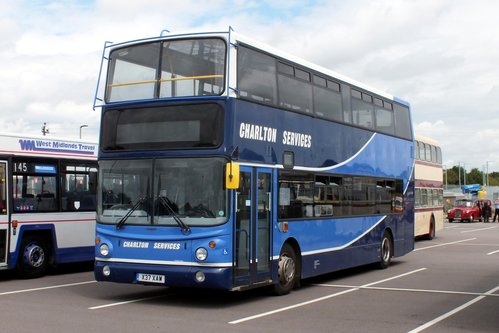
(151, 278)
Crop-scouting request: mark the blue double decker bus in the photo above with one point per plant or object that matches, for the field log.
(225, 163)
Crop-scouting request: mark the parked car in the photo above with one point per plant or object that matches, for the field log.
(464, 210)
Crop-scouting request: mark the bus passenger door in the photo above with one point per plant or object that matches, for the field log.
(4, 216)
(253, 227)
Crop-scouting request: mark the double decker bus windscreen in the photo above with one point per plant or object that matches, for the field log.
(162, 191)
(181, 68)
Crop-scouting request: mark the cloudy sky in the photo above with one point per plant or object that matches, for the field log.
(440, 55)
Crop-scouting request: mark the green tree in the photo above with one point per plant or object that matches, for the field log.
(475, 176)
(456, 172)
(451, 176)
(494, 178)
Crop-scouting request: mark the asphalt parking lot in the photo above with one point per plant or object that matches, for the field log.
(449, 284)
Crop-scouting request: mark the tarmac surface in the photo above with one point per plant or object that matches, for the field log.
(449, 284)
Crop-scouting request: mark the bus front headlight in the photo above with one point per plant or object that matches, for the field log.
(104, 250)
(201, 254)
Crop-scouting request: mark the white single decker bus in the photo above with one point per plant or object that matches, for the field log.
(47, 202)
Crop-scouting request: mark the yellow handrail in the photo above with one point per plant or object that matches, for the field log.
(198, 77)
(213, 76)
(131, 83)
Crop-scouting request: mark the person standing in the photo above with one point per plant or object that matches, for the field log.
(487, 212)
(479, 205)
(496, 209)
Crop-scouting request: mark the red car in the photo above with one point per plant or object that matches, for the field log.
(464, 210)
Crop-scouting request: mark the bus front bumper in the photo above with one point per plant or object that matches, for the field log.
(167, 275)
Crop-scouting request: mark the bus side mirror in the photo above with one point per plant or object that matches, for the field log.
(232, 176)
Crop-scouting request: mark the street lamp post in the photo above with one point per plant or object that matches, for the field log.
(45, 130)
(464, 171)
(446, 171)
(459, 173)
(487, 170)
(81, 128)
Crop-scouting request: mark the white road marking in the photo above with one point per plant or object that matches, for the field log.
(480, 229)
(124, 302)
(452, 312)
(444, 244)
(493, 252)
(45, 288)
(320, 299)
(430, 291)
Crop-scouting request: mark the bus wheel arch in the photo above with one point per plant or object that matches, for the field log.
(386, 249)
(35, 254)
(288, 268)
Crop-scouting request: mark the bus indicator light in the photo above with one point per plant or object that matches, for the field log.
(283, 227)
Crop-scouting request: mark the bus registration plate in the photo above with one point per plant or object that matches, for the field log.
(150, 278)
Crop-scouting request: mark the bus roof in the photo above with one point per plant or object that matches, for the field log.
(426, 139)
(236, 37)
(312, 66)
(27, 145)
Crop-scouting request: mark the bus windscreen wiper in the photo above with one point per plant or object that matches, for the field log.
(166, 203)
(129, 213)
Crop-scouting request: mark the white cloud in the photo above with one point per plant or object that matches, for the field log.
(440, 55)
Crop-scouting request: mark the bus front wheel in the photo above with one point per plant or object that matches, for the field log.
(33, 257)
(386, 250)
(287, 271)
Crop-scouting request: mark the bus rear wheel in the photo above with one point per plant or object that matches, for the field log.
(33, 258)
(287, 271)
(386, 251)
(431, 233)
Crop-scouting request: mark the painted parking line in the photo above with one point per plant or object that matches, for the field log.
(479, 229)
(427, 291)
(451, 227)
(45, 288)
(454, 311)
(444, 244)
(493, 252)
(320, 299)
(125, 302)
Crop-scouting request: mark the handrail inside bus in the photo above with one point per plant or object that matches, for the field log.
(184, 78)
